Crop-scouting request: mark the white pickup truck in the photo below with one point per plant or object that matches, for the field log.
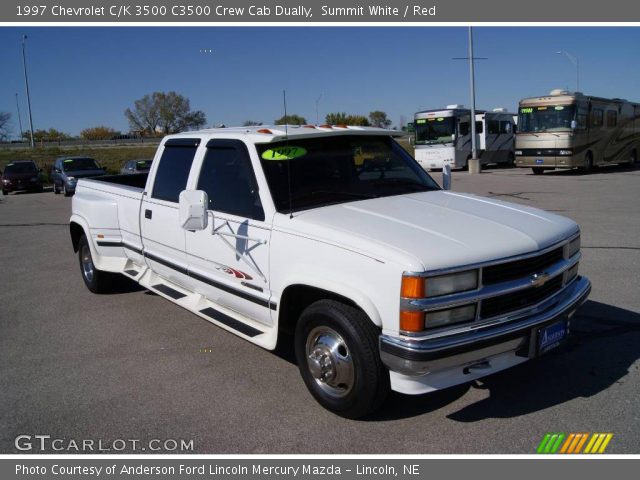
(338, 237)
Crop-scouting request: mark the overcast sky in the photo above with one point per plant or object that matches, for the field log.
(86, 76)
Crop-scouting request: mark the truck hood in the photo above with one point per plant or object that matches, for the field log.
(433, 230)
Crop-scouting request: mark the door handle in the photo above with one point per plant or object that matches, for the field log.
(147, 214)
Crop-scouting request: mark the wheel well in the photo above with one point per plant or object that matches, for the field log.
(76, 233)
(296, 298)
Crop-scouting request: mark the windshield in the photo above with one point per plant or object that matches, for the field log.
(545, 118)
(326, 171)
(75, 164)
(434, 130)
(143, 164)
(22, 167)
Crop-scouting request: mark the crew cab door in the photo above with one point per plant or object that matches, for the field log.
(163, 238)
(229, 260)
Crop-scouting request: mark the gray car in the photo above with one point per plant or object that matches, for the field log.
(67, 170)
(136, 166)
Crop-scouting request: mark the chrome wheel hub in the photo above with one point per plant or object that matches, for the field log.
(329, 361)
(87, 263)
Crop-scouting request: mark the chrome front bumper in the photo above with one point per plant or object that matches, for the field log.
(419, 356)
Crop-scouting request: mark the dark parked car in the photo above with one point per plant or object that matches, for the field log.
(136, 166)
(21, 175)
(67, 170)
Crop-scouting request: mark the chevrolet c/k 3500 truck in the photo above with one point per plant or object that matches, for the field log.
(382, 279)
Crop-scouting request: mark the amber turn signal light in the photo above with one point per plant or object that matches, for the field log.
(411, 321)
(412, 287)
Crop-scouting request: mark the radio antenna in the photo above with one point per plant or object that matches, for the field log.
(286, 135)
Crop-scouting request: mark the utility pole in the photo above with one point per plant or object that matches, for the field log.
(26, 84)
(474, 162)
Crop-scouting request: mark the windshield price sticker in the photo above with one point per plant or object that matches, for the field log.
(284, 153)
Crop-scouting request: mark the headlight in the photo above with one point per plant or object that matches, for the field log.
(6, 181)
(421, 287)
(572, 273)
(566, 152)
(573, 247)
(518, 152)
(447, 317)
(455, 282)
(417, 321)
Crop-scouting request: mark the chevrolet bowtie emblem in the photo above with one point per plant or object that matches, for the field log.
(539, 279)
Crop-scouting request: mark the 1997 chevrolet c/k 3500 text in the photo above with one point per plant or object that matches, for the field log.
(337, 236)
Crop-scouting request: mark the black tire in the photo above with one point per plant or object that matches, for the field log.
(511, 161)
(65, 192)
(588, 163)
(55, 189)
(98, 281)
(355, 358)
(633, 159)
(537, 170)
(5, 192)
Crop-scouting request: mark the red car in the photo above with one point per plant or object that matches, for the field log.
(21, 175)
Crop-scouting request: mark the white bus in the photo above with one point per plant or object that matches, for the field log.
(443, 137)
(567, 130)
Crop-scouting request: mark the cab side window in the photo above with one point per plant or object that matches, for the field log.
(173, 170)
(228, 178)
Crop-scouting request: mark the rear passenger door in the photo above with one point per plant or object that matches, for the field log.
(163, 238)
(229, 260)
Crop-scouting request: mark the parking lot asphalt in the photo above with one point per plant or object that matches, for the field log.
(131, 365)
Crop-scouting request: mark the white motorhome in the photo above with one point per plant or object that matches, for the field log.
(569, 129)
(443, 137)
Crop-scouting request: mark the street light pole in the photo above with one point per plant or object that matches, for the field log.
(474, 163)
(26, 84)
(573, 59)
(19, 118)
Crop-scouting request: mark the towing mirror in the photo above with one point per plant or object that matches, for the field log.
(193, 209)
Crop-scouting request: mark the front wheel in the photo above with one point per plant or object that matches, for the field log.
(96, 280)
(5, 192)
(537, 170)
(65, 191)
(337, 352)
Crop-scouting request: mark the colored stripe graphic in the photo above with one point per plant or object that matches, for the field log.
(573, 443)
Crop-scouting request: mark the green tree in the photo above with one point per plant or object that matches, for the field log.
(251, 123)
(341, 118)
(359, 120)
(164, 112)
(99, 133)
(51, 135)
(379, 119)
(291, 119)
(336, 118)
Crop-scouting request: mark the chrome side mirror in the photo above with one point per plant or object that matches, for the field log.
(193, 209)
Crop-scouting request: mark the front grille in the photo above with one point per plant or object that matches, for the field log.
(521, 299)
(520, 268)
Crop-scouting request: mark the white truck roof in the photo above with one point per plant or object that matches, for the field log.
(276, 133)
